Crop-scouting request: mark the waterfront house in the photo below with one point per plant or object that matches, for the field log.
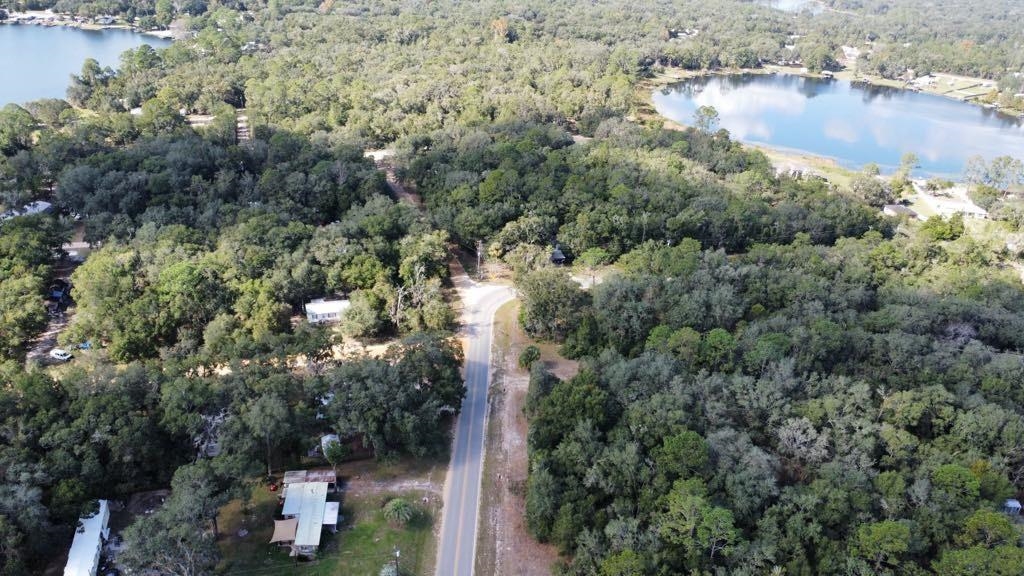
(898, 210)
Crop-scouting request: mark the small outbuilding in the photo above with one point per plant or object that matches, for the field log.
(1012, 507)
(557, 256)
(84, 556)
(331, 515)
(321, 311)
(326, 440)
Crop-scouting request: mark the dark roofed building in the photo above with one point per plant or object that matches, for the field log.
(557, 256)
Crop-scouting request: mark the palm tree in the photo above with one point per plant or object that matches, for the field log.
(398, 511)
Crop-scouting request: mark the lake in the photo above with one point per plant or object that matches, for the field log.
(36, 61)
(854, 124)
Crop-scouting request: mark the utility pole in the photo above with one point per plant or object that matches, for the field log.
(479, 258)
(398, 554)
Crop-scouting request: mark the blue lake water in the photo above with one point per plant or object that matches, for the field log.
(37, 61)
(853, 123)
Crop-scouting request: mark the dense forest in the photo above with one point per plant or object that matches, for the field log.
(777, 379)
(954, 36)
(824, 409)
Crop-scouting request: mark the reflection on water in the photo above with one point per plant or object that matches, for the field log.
(38, 61)
(794, 5)
(853, 123)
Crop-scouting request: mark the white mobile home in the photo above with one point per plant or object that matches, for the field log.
(305, 512)
(321, 311)
(84, 557)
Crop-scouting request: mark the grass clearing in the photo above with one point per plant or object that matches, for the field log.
(917, 204)
(853, 76)
(990, 233)
(818, 165)
(369, 541)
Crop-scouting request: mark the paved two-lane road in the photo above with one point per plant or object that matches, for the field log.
(456, 553)
(457, 549)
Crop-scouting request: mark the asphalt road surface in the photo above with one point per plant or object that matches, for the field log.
(457, 549)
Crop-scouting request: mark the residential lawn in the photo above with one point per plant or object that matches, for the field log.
(371, 541)
(365, 540)
(917, 204)
(251, 553)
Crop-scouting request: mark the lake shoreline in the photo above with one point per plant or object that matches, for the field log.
(676, 75)
(36, 62)
(49, 19)
(782, 159)
(787, 156)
